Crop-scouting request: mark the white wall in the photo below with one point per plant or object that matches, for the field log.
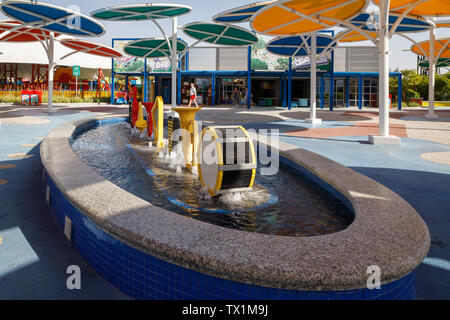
(233, 59)
(356, 59)
(203, 59)
(218, 59)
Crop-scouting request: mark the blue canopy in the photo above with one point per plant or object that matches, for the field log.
(52, 18)
(408, 24)
(240, 14)
(295, 46)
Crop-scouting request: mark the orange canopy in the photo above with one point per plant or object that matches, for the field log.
(355, 36)
(441, 46)
(288, 17)
(434, 8)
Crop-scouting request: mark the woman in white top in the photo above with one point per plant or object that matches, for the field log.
(193, 94)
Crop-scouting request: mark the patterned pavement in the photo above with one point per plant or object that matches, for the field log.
(34, 254)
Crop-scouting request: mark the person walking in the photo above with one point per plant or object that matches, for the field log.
(193, 94)
(236, 97)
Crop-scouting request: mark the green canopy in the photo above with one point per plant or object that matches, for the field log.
(220, 34)
(441, 63)
(152, 48)
(141, 12)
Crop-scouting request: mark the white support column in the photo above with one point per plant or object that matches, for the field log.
(384, 137)
(51, 69)
(432, 74)
(384, 77)
(313, 104)
(174, 61)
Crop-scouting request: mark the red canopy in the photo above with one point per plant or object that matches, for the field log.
(21, 34)
(91, 48)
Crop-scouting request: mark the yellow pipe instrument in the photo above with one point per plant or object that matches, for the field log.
(141, 124)
(158, 121)
(190, 134)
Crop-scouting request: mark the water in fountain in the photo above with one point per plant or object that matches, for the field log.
(287, 203)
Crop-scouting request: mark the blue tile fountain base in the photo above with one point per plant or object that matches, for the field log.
(145, 277)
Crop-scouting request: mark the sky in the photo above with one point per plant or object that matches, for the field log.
(204, 10)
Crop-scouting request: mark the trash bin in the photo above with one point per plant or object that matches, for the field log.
(26, 98)
(34, 98)
(38, 93)
(303, 102)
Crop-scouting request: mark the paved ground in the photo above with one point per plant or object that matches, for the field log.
(418, 170)
(34, 254)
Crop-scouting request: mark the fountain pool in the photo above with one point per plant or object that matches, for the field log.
(287, 203)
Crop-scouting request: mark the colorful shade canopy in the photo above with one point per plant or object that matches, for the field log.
(139, 12)
(91, 48)
(442, 48)
(407, 24)
(152, 48)
(347, 36)
(289, 17)
(434, 8)
(442, 24)
(296, 46)
(21, 34)
(441, 63)
(240, 14)
(220, 34)
(366, 22)
(52, 18)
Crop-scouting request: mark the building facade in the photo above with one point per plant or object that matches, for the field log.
(347, 77)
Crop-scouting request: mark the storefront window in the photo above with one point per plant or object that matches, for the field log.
(339, 92)
(326, 94)
(370, 89)
(204, 90)
(353, 93)
(228, 87)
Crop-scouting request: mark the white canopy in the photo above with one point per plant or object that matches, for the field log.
(34, 53)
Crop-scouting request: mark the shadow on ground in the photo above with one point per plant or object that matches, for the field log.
(429, 194)
(326, 116)
(34, 254)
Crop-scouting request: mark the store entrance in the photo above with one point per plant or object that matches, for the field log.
(166, 90)
(204, 90)
(266, 92)
(301, 89)
(230, 88)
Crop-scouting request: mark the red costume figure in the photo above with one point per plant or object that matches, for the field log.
(135, 108)
(149, 107)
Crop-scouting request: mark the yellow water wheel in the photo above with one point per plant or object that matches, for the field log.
(227, 160)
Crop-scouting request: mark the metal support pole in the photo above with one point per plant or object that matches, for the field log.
(112, 80)
(432, 74)
(213, 93)
(322, 92)
(331, 91)
(290, 85)
(144, 98)
(249, 77)
(51, 70)
(360, 91)
(174, 61)
(400, 92)
(313, 94)
(384, 136)
(384, 72)
(179, 88)
(249, 90)
(347, 92)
